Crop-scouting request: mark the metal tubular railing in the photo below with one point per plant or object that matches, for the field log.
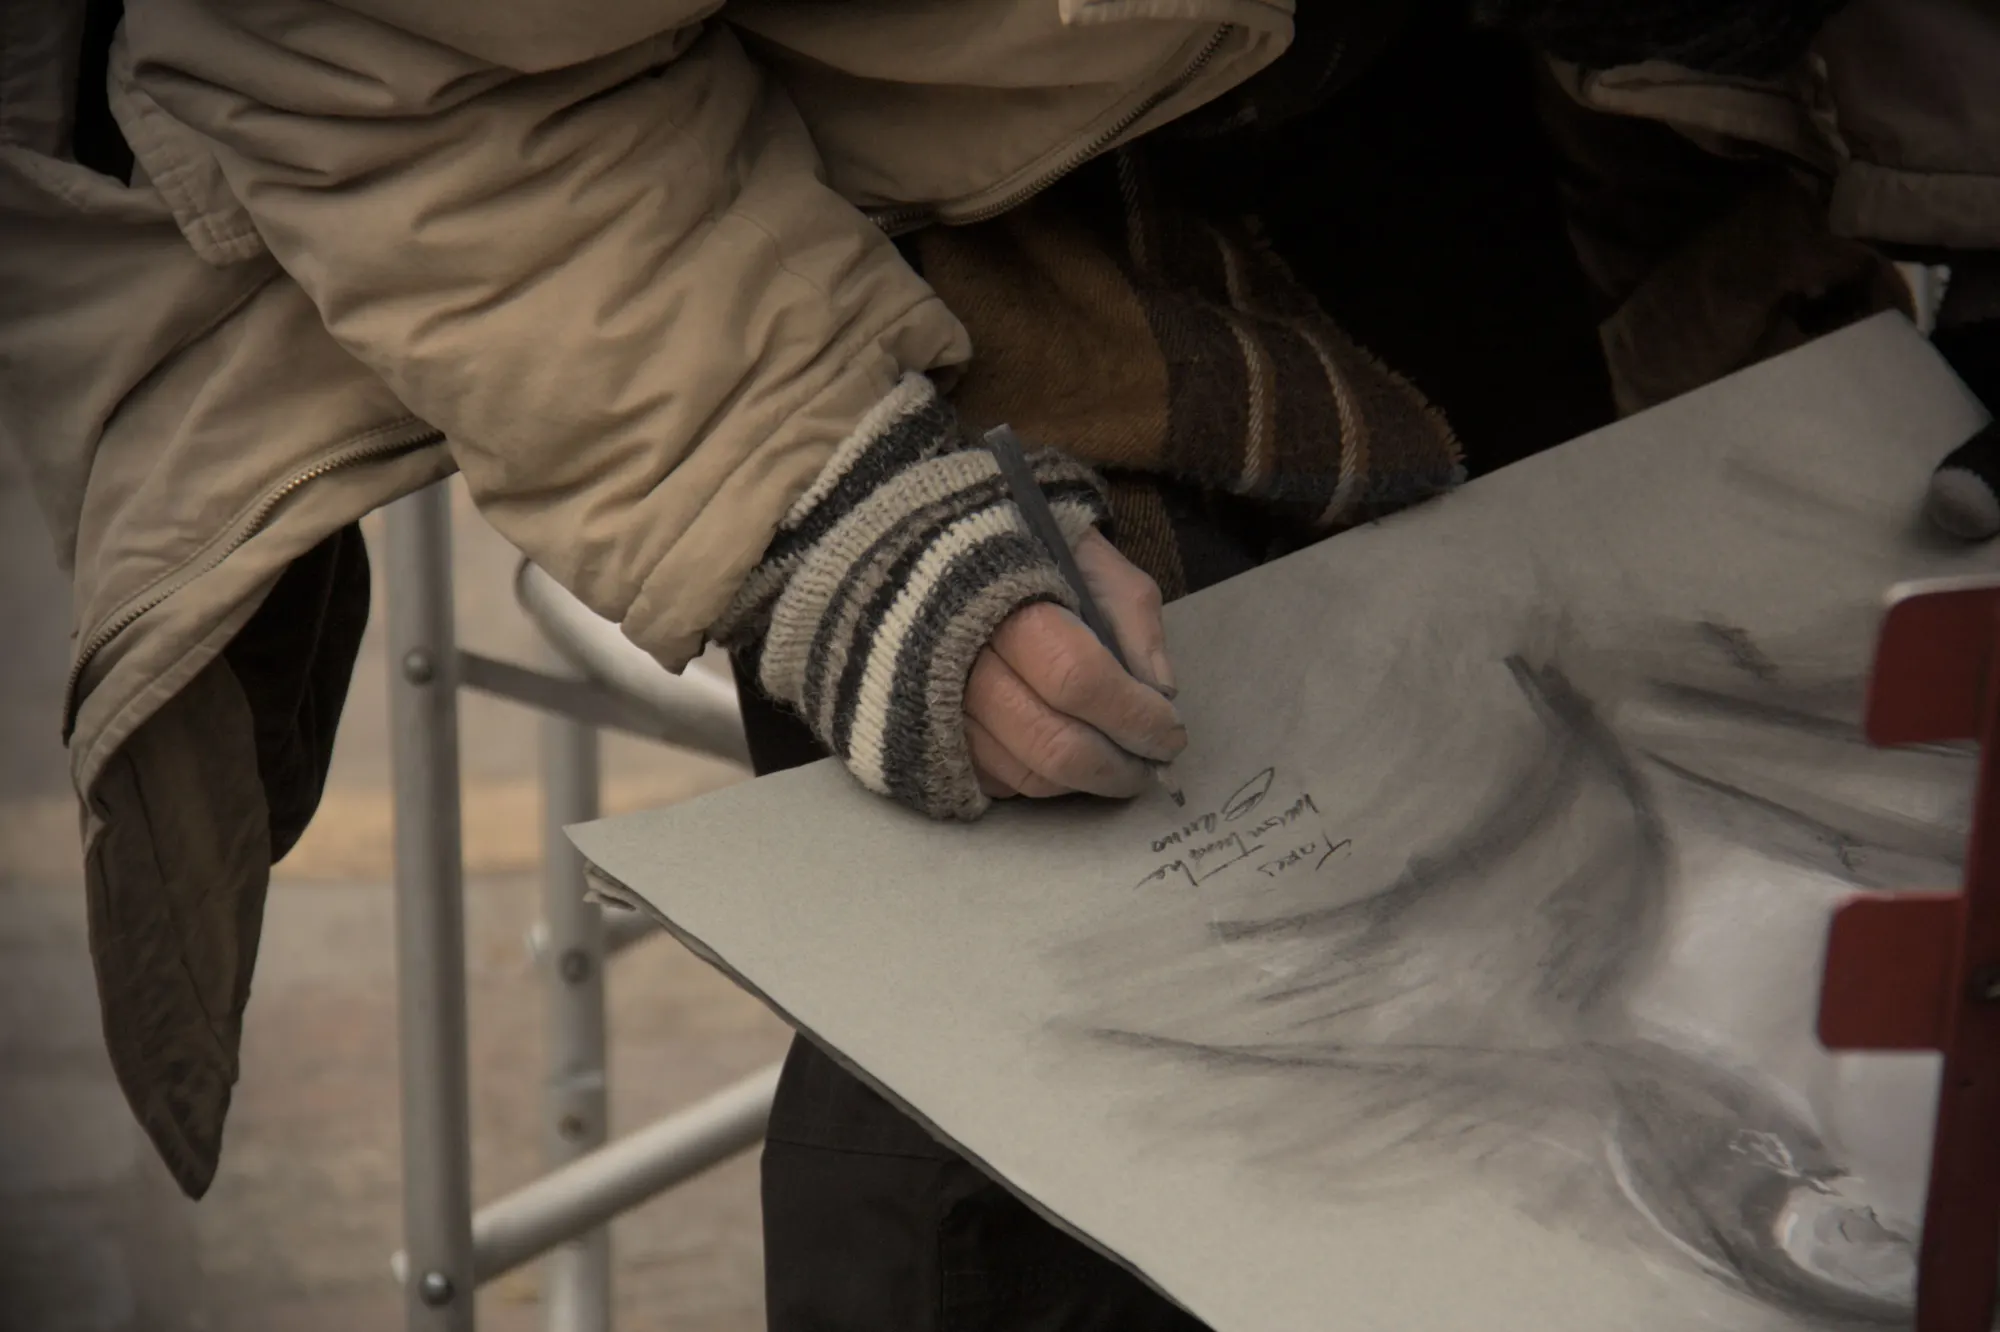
(610, 683)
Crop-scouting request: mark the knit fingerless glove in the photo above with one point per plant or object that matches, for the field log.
(884, 582)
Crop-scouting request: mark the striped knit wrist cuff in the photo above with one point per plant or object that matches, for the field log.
(885, 582)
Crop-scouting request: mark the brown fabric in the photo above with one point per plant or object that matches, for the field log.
(1144, 532)
(1763, 278)
(214, 788)
(1332, 45)
(1703, 264)
(1915, 91)
(1732, 38)
(1163, 345)
(1634, 190)
(1973, 296)
(294, 661)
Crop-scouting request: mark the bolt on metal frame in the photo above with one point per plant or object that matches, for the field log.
(449, 1250)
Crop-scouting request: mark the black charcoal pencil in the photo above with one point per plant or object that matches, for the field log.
(1006, 450)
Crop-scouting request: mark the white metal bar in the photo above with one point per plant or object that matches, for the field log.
(576, 1275)
(430, 916)
(697, 708)
(616, 1178)
(619, 1177)
(579, 700)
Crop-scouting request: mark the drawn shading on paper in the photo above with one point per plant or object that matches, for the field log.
(1474, 986)
(1493, 1001)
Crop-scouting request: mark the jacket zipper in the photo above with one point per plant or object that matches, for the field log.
(393, 445)
(897, 221)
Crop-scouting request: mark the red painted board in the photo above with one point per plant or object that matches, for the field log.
(1889, 967)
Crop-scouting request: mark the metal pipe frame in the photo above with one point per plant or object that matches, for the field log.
(576, 1278)
(448, 1250)
(430, 916)
(696, 708)
(582, 701)
(590, 1191)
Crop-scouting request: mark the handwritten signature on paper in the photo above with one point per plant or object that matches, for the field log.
(1287, 839)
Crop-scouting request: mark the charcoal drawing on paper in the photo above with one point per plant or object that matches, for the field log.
(1491, 995)
(1474, 986)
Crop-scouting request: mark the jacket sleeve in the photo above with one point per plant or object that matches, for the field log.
(614, 278)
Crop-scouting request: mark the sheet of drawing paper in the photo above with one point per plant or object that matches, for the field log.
(1474, 986)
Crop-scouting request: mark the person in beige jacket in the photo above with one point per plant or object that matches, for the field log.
(627, 265)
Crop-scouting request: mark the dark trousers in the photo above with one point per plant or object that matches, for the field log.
(871, 1223)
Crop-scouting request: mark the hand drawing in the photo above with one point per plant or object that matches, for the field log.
(1566, 983)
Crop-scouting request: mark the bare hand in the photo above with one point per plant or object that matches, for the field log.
(1048, 711)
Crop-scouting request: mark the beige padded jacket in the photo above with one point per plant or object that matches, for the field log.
(623, 263)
